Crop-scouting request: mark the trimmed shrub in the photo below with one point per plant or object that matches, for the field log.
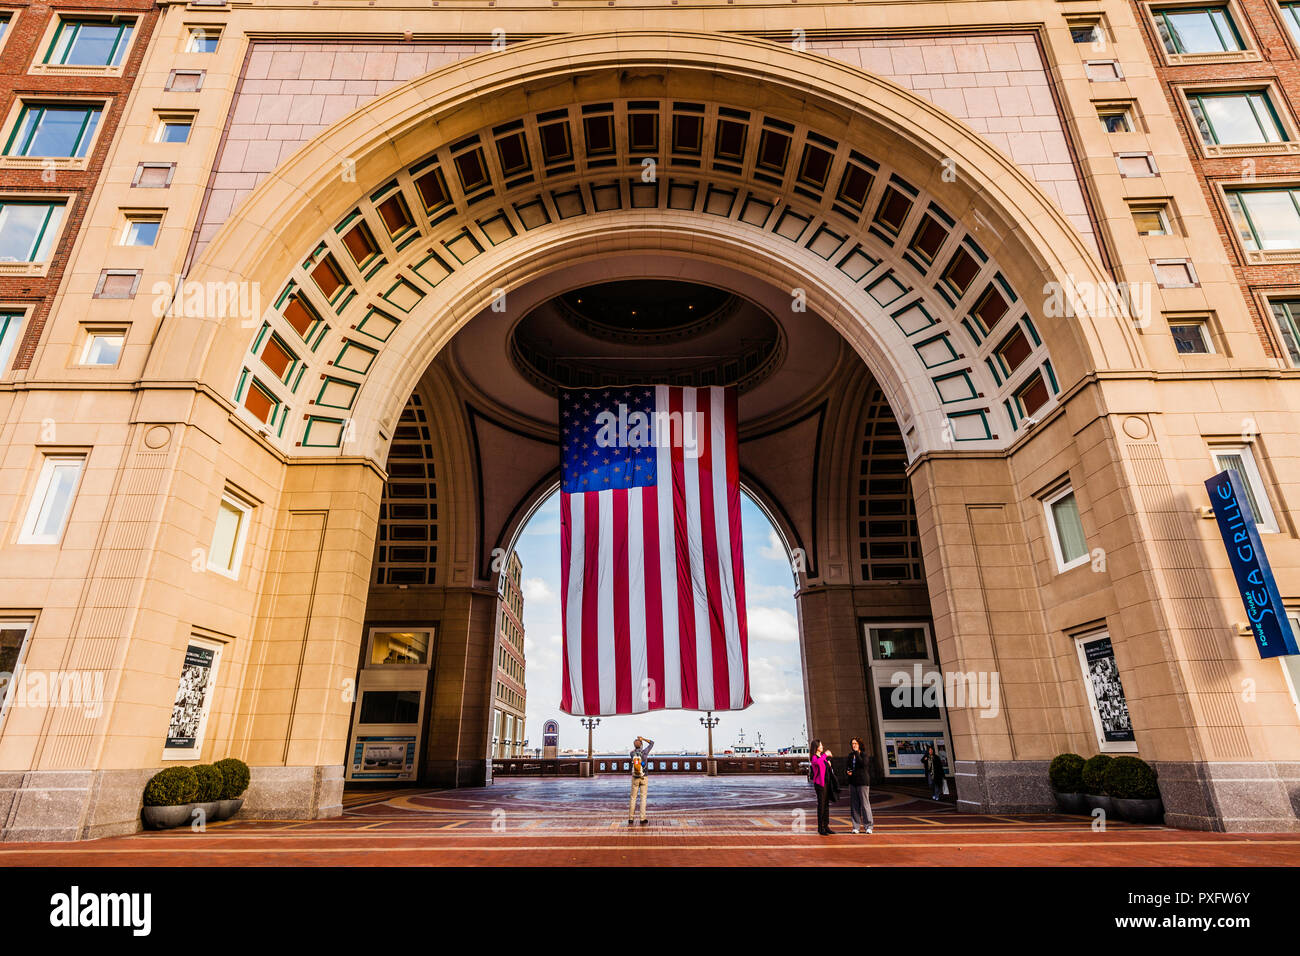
(211, 783)
(1130, 778)
(1094, 772)
(1066, 773)
(236, 775)
(171, 787)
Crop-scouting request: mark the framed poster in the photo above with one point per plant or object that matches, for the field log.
(383, 758)
(1106, 699)
(194, 693)
(905, 748)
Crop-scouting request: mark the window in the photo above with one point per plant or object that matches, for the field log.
(1086, 33)
(1197, 30)
(399, 647)
(228, 536)
(1266, 218)
(27, 229)
(141, 229)
(1115, 119)
(89, 43)
(1236, 118)
(1286, 312)
(1291, 17)
(1066, 529)
(11, 327)
(6, 18)
(203, 40)
(1290, 662)
(1241, 459)
(1151, 219)
(174, 129)
(194, 692)
(102, 346)
(45, 130)
(1190, 338)
(51, 503)
(14, 632)
(1105, 691)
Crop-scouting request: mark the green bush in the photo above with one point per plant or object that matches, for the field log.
(1094, 772)
(235, 772)
(1130, 778)
(171, 787)
(211, 783)
(1066, 773)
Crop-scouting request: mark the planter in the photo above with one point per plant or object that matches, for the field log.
(210, 811)
(1137, 810)
(1072, 802)
(165, 818)
(228, 808)
(1095, 801)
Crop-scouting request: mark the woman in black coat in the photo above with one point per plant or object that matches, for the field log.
(859, 787)
(933, 764)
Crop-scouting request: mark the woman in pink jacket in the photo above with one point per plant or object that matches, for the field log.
(818, 768)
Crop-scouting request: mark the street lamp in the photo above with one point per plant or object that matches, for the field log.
(591, 723)
(710, 722)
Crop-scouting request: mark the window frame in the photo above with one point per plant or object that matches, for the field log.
(1293, 615)
(131, 217)
(1230, 197)
(1254, 479)
(1058, 493)
(12, 620)
(13, 319)
(1207, 337)
(194, 29)
(218, 651)
(1090, 695)
(1159, 12)
(245, 508)
(93, 332)
(1271, 300)
(54, 231)
(1162, 210)
(87, 137)
(41, 489)
(122, 46)
(166, 118)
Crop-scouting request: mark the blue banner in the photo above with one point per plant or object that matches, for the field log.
(1259, 593)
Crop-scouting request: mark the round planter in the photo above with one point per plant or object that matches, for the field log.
(210, 811)
(228, 808)
(165, 818)
(1095, 801)
(1072, 802)
(1136, 810)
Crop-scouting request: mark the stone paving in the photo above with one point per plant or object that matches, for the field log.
(693, 821)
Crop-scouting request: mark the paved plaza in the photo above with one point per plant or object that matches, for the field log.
(719, 821)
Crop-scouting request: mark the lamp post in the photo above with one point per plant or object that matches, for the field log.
(710, 722)
(591, 723)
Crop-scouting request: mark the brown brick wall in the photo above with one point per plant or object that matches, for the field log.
(21, 49)
(1265, 31)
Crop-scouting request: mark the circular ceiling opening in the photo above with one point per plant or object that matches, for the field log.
(647, 332)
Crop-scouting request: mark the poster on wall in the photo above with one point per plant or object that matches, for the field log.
(191, 698)
(1103, 675)
(904, 749)
(383, 758)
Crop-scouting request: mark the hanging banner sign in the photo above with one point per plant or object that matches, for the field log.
(1268, 620)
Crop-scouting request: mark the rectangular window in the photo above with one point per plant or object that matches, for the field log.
(1115, 119)
(194, 692)
(14, 632)
(141, 230)
(1066, 529)
(1266, 218)
(103, 346)
(228, 536)
(1106, 700)
(1232, 119)
(203, 40)
(1241, 459)
(1190, 338)
(56, 131)
(399, 647)
(5, 19)
(175, 129)
(1286, 313)
(1086, 32)
(1197, 30)
(27, 229)
(1291, 662)
(1151, 219)
(47, 512)
(11, 327)
(90, 43)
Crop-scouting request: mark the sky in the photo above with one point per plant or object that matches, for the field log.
(775, 674)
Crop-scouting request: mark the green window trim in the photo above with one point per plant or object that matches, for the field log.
(29, 125)
(1290, 15)
(69, 30)
(1286, 313)
(1261, 108)
(11, 326)
(32, 254)
(1224, 28)
(1242, 216)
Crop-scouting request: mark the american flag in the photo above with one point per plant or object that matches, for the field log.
(653, 577)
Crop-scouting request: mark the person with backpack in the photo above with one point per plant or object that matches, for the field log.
(859, 788)
(640, 751)
(822, 777)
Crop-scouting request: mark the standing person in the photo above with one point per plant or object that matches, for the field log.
(859, 787)
(933, 764)
(640, 751)
(819, 772)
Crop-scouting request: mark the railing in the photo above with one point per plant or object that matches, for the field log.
(670, 763)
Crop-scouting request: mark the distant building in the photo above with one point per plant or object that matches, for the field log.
(509, 696)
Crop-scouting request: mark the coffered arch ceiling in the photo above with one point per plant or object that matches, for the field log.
(815, 177)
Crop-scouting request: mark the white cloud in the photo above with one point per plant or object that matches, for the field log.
(772, 624)
(774, 550)
(536, 589)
